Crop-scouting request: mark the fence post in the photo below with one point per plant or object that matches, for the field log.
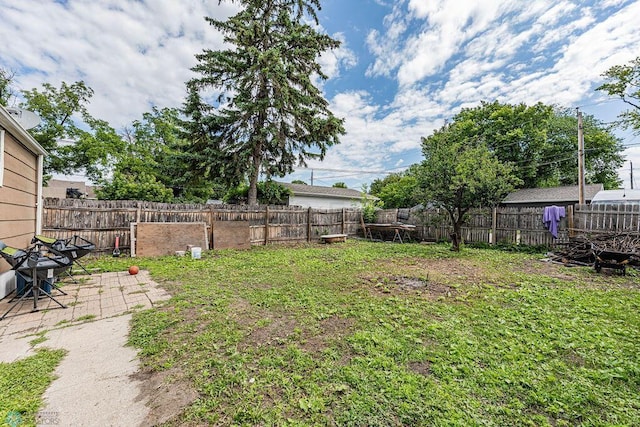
(266, 225)
(138, 211)
(570, 220)
(342, 232)
(211, 222)
(309, 224)
(494, 225)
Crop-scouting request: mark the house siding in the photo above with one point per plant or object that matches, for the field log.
(18, 194)
(323, 202)
(19, 191)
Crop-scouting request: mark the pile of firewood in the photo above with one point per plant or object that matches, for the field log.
(581, 250)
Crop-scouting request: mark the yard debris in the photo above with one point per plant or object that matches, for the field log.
(581, 250)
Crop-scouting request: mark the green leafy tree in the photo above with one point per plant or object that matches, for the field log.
(515, 133)
(132, 181)
(267, 116)
(89, 145)
(156, 151)
(623, 81)
(298, 181)
(339, 185)
(459, 173)
(397, 190)
(370, 206)
(602, 152)
(269, 193)
(540, 142)
(7, 91)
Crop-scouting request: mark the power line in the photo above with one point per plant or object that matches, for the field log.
(356, 171)
(604, 101)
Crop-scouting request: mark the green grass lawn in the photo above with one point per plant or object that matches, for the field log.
(372, 334)
(22, 384)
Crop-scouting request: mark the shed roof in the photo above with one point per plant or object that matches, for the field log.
(319, 191)
(14, 128)
(552, 195)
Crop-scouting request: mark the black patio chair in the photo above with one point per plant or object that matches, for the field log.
(74, 248)
(12, 255)
(37, 270)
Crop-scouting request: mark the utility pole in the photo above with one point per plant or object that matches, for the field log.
(581, 198)
(312, 177)
(631, 165)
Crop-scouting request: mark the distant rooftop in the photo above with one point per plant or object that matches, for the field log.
(318, 191)
(567, 194)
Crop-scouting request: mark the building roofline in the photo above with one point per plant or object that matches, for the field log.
(12, 126)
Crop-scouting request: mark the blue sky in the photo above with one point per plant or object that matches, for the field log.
(404, 66)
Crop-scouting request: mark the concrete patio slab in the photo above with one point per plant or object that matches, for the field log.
(94, 385)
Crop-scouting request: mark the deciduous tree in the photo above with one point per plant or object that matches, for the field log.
(623, 81)
(560, 154)
(75, 140)
(7, 91)
(541, 143)
(460, 173)
(397, 190)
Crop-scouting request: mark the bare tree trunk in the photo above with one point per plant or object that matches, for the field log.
(252, 197)
(457, 219)
(456, 236)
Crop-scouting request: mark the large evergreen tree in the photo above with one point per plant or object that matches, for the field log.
(266, 115)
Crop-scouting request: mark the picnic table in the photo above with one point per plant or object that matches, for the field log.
(399, 231)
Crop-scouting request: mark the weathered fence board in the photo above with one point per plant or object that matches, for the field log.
(607, 218)
(101, 221)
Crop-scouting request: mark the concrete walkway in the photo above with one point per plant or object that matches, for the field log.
(94, 386)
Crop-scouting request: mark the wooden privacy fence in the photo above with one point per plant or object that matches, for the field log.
(509, 225)
(101, 221)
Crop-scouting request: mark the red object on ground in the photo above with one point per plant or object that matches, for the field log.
(134, 270)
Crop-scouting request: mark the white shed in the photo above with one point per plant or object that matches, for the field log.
(317, 197)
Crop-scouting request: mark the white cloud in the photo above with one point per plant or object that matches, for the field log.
(333, 61)
(133, 54)
(428, 59)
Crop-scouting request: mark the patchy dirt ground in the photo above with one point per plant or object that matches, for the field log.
(166, 394)
(447, 277)
(170, 392)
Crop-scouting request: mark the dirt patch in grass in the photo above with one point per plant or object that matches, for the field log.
(331, 328)
(547, 268)
(166, 393)
(574, 359)
(397, 285)
(422, 368)
(443, 276)
(243, 313)
(269, 331)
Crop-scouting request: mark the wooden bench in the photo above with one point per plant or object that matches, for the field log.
(333, 238)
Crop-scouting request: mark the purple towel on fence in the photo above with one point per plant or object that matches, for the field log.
(551, 218)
